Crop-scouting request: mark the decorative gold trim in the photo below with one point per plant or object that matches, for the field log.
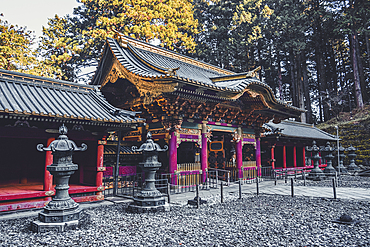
(100, 197)
(49, 193)
(101, 169)
(100, 188)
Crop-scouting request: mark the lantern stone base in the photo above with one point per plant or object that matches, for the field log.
(341, 169)
(353, 168)
(147, 209)
(329, 171)
(56, 219)
(38, 226)
(316, 174)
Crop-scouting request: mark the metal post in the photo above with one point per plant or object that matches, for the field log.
(275, 174)
(336, 179)
(304, 177)
(228, 178)
(133, 187)
(116, 170)
(169, 192)
(286, 176)
(197, 189)
(222, 192)
(257, 183)
(295, 174)
(292, 186)
(240, 189)
(338, 148)
(334, 190)
(216, 179)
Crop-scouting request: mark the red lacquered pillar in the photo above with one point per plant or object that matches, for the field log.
(284, 156)
(304, 156)
(239, 154)
(100, 167)
(295, 156)
(258, 155)
(48, 178)
(273, 157)
(173, 155)
(203, 151)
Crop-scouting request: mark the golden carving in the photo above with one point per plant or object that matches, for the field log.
(100, 197)
(100, 188)
(148, 89)
(49, 193)
(101, 169)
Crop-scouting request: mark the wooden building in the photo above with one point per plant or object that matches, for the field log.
(207, 115)
(31, 110)
(284, 143)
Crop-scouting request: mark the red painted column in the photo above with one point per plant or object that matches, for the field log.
(273, 157)
(239, 154)
(48, 178)
(258, 155)
(203, 151)
(295, 156)
(284, 156)
(173, 154)
(99, 167)
(304, 156)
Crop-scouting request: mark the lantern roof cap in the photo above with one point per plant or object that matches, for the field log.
(149, 146)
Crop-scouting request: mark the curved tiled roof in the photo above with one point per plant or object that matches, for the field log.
(297, 129)
(155, 63)
(33, 95)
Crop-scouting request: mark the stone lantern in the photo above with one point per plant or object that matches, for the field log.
(340, 168)
(328, 151)
(316, 173)
(351, 154)
(149, 199)
(62, 210)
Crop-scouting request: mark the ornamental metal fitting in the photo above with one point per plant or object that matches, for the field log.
(149, 146)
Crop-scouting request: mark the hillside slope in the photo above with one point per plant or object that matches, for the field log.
(354, 128)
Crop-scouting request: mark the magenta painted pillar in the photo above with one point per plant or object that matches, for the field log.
(173, 155)
(239, 153)
(258, 155)
(203, 152)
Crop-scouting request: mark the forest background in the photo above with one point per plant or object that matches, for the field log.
(313, 54)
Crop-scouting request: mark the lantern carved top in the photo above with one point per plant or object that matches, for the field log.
(62, 144)
(149, 146)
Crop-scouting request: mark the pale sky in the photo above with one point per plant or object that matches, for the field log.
(34, 13)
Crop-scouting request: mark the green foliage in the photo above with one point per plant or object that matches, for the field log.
(354, 129)
(76, 41)
(16, 51)
(230, 30)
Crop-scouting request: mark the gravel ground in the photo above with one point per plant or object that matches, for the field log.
(344, 181)
(253, 221)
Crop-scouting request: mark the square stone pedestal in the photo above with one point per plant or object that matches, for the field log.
(146, 209)
(38, 226)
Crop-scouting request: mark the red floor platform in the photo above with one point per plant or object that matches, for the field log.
(15, 196)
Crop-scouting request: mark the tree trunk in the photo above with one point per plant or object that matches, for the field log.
(306, 90)
(280, 80)
(300, 87)
(361, 71)
(294, 92)
(367, 46)
(356, 76)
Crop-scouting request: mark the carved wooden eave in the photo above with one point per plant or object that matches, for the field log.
(157, 82)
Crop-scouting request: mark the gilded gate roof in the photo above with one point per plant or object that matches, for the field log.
(154, 71)
(25, 94)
